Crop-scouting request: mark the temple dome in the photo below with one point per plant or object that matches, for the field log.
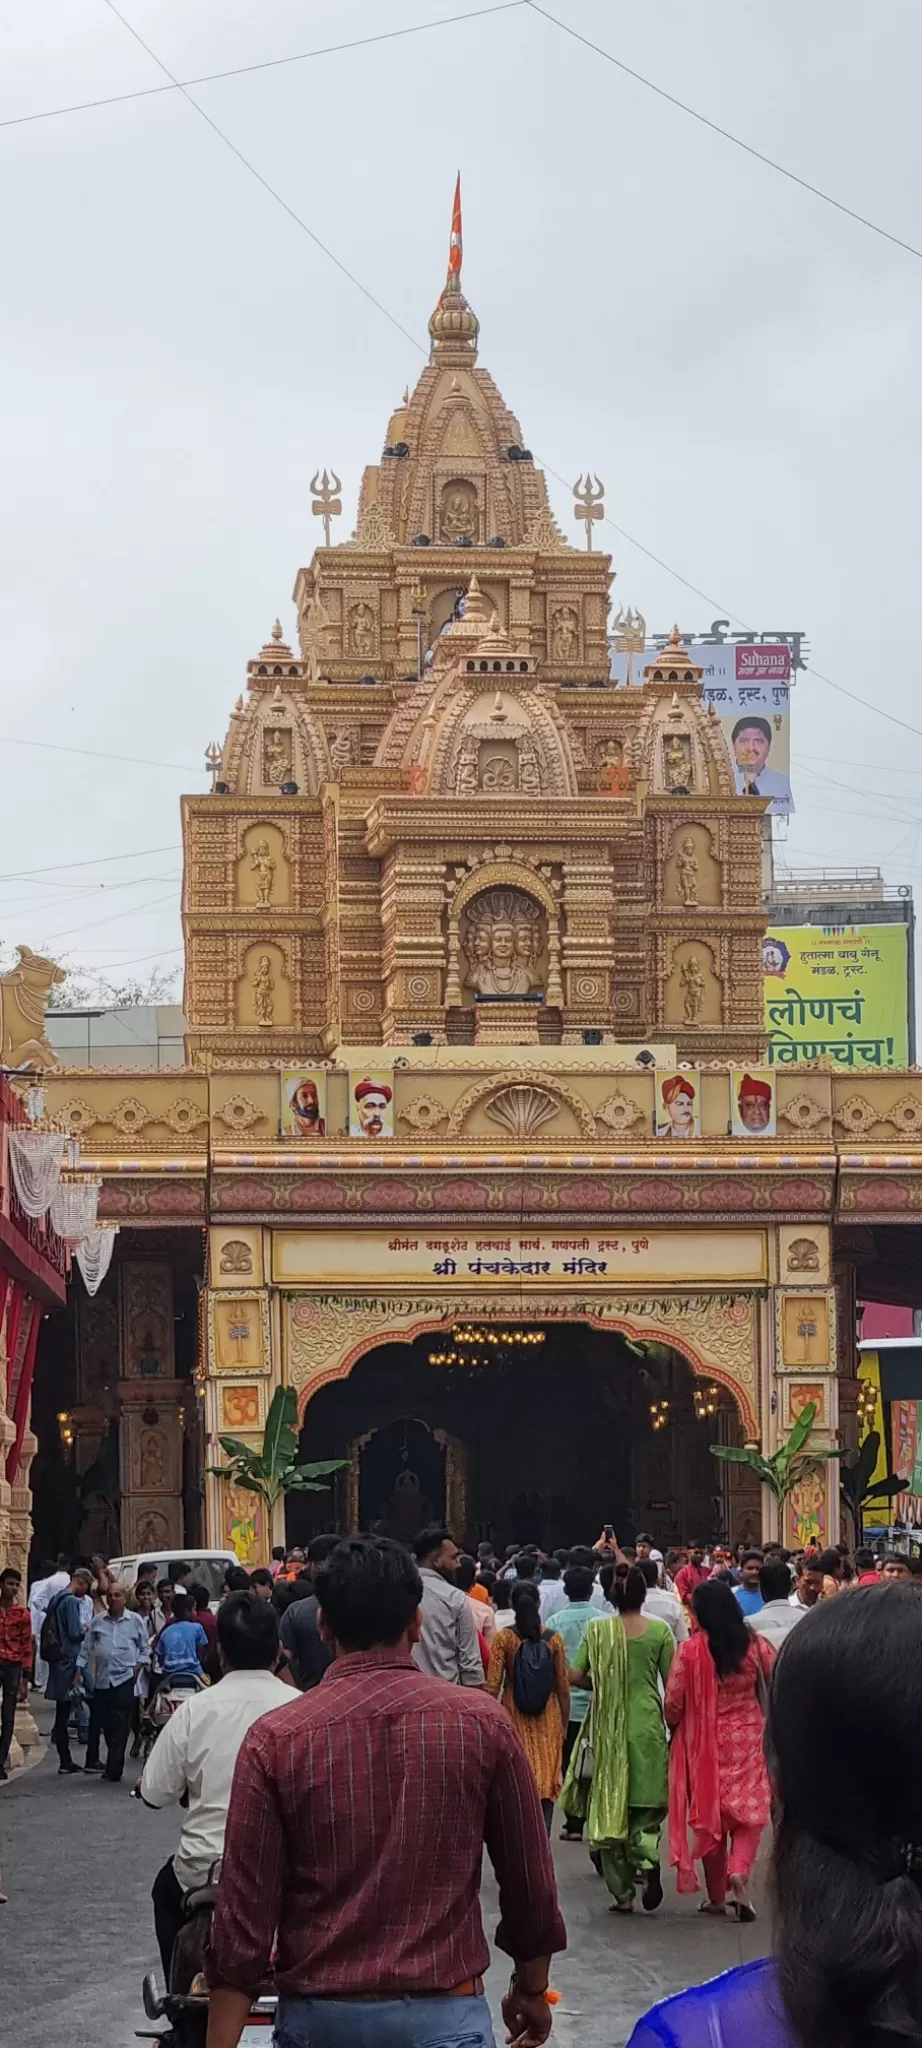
(454, 321)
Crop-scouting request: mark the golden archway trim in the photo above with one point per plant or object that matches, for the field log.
(716, 1334)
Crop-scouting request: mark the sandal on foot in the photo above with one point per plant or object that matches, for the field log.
(743, 1912)
(716, 1912)
(617, 1907)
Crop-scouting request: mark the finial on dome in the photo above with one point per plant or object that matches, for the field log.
(454, 327)
(277, 630)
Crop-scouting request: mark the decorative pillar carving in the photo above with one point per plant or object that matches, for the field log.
(152, 1415)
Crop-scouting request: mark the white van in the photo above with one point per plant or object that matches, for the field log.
(208, 1567)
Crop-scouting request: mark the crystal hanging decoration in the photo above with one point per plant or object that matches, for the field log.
(35, 1157)
(94, 1255)
(73, 1210)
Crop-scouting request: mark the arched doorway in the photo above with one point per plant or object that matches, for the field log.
(544, 1441)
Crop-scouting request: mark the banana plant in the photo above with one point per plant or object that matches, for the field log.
(858, 1491)
(788, 1464)
(273, 1470)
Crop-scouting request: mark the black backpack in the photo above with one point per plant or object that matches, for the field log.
(533, 1675)
(50, 1645)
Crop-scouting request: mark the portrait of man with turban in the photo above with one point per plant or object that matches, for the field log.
(371, 1114)
(304, 1105)
(754, 1106)
(677, 1111)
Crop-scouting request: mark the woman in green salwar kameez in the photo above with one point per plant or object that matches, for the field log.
(623, 1658)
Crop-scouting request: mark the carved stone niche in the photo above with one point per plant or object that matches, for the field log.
(459, 510)
(263, 877)
(264, 994)
(691, 877)
(504, 945)
(694, 993)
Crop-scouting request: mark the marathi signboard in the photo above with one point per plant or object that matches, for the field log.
(749, 686)
(840, 992)
(506, 1260)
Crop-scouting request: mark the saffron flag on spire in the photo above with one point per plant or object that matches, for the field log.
(455, 244)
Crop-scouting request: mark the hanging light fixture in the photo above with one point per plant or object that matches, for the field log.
(73, 1208)
(474, 1345)
(707, 1401)
(866, 1404)
(659, 1414)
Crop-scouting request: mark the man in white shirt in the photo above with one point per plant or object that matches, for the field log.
(808, 1586)
(41, 1594)
(197, 1752)
(660, 1605)
(779, 1613)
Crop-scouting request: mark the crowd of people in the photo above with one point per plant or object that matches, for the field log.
(355, 1703)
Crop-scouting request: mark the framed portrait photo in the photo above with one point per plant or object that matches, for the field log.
(678, 1104)
(304, 1102)
(752, 1103)
(371, 1104)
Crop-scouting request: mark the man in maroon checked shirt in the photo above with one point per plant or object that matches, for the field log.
(356, 1829)
(15, 1657)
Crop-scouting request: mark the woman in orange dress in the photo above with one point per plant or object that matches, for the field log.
(541, 1733)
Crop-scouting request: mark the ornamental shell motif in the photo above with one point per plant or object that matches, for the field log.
(522, 1110)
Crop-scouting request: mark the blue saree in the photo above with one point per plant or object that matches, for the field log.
(741, 2009)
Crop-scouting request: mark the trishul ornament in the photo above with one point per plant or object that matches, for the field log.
(326, 503)
(589, 504)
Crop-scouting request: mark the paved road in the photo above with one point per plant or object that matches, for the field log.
(78, 1858)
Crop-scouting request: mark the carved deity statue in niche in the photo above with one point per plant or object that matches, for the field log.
(529, 771)
(277, 755)
(262, 866)
(458, 516)
(362, 629)
(341, 751)
(565, 637)
(686, 867)
(153, 1531)
(694, 988)
(677, 761)
(263, 990)
(153, 1460)
(315, 625)
(503, 943)
(498, 774)
(467, 769)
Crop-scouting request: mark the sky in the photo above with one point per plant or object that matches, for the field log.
(735, 358)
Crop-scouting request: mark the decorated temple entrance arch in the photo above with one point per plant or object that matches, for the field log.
(511, 1428)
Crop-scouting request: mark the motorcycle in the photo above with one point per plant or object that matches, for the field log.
(184, 2004)
(159, 1710)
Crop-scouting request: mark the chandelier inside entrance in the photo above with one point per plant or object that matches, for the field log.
(473, 1345)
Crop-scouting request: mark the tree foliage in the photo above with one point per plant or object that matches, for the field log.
(788, 1464)
(273, 1470)
(858, 1489)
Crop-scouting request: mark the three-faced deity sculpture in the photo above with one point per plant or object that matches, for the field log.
(502, 943)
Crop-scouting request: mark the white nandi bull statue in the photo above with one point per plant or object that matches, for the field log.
(24, 992)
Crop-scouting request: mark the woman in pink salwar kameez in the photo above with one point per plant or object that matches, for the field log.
(719, 1795)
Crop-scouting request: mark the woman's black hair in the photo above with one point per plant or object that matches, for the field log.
(488, 1581)
(631, 1592)
(465, 1572)
(524, 1597)
(845, 1741)
(718, 1612)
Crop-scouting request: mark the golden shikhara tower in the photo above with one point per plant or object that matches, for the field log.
(440, 816)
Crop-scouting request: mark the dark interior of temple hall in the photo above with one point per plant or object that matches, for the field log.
(541, 1441)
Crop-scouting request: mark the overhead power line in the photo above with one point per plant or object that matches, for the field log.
(386, 314)
(94, 754)
(101, 860)
(147, 92)
(726, 134)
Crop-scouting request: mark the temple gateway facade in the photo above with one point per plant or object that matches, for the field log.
(475, 1146)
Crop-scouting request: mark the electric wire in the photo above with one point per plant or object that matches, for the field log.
(266, 64)
(727, 135)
